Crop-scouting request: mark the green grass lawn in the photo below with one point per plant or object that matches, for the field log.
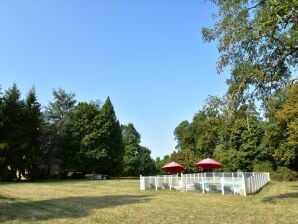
(121, 201)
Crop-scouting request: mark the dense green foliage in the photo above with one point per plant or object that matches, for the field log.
(257, 41)
(66, 137)
(93, 141)
(19, 135)
(56, 116)
(136, 158)
(241, 139)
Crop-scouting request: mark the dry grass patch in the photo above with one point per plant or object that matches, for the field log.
(121, 201)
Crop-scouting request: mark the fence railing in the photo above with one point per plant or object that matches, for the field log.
(241, 183)
(255, 182)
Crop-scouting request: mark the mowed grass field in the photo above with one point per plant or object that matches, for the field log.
(121, 201)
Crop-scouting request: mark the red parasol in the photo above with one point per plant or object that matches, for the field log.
(173, 167)
(208, 164)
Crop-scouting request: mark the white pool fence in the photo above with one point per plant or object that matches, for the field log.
(241, 183)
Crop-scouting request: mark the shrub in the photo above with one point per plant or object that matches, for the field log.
(265, 166)
(284, 174)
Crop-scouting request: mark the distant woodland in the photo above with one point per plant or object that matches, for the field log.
(66, 138)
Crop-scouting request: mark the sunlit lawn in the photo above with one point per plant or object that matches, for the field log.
(121, 201)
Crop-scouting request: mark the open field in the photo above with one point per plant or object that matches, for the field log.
(121, 201)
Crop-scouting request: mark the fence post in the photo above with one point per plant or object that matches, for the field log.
(181, 182)
(185, 184)
(203, 185)
(253, 182)
(142, 183)
(263, 179)
(170, 182)
(155, 183)
(233, 183)
(222, 185)
(243, 183)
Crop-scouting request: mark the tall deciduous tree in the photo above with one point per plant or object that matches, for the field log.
(56, 115)
(187, 158)
(184, 136)
(287, 122)
(258, 40)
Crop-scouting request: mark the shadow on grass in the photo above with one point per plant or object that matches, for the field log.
(69, 207)
(4, 198)
(294, 186)
(280, 196)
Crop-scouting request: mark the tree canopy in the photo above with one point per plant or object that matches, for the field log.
(66, 138)
(258, 40)
(137, 158)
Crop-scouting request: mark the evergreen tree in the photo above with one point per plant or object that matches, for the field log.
(5, 173)
(147, 166)
(80, 153)
(112, 144)
(12, 137)
(102, 145)
(33, 126)
(132, 149)
(137, 159)
(58, 110)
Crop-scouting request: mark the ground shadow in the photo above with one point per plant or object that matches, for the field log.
(280, 196)
(5, 198)
(69, 207)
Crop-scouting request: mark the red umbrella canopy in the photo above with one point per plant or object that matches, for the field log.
(173, 167)
(208, 164)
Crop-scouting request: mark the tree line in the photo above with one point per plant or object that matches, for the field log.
(66, 138)
(242, 139)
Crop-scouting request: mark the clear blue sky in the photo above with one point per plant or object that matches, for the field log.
(148, 56)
